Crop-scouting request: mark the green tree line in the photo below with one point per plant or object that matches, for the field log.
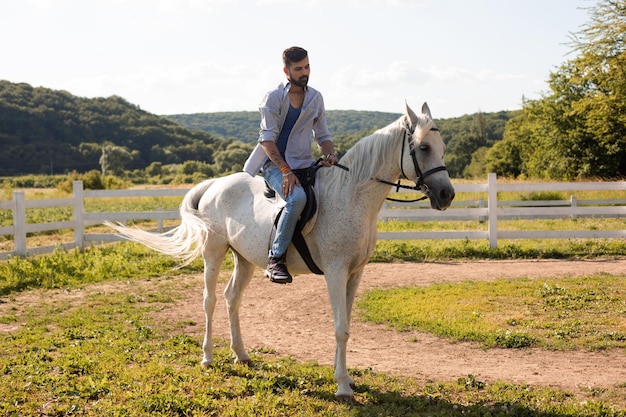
(575, 130)
(244, 125)
(51, 131)
(44, 131)
(464, 135)
(578, 128)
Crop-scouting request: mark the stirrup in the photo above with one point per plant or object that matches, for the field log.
(276, 272)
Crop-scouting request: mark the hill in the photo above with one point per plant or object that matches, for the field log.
(463, 135)
(45, 131)
(244, 125)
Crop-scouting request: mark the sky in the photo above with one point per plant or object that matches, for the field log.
(201, 56)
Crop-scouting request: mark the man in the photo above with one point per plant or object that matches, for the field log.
(291, 115)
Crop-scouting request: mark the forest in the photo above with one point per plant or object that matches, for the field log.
(576, 130)
(44, 131)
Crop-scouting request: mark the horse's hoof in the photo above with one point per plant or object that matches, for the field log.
(345, 398)
(206, 363)
(246, 362)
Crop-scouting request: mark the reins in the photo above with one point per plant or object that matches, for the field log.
(419, 184)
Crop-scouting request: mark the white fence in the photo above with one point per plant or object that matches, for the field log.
(481, 210)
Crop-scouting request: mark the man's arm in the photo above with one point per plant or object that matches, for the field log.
(289, 178)
(272, 152)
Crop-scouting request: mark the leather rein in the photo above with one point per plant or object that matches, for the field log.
(419, 184)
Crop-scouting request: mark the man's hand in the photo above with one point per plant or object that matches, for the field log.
(330, 159)
(289, 182)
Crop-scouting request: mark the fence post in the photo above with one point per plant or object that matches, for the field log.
(481, 204)
(160, 221)
(492, 202)
(19, 222)
(79, 215)
(573, 202)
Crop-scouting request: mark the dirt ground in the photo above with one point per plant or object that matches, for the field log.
(296, 320)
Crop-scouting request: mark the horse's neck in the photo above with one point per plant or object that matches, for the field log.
(374, 193)
(367, 194)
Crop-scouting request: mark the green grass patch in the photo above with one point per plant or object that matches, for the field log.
(582, 223)
(127, 261)
(73, 268)
(557, 313)
(104, 353)
(442, 250)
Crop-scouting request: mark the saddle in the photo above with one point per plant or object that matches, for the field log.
(307, 177)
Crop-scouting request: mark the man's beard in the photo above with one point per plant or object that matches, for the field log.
(301, 82)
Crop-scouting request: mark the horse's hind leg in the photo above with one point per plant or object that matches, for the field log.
(213, 257)
(242, 274)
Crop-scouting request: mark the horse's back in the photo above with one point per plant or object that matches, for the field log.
(231, 194)
(234, 208)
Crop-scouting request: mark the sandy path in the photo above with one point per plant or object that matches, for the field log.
(296, 320)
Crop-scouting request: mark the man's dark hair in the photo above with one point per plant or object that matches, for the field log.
(293, 54)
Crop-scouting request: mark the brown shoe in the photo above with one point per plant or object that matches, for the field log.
(277, 272)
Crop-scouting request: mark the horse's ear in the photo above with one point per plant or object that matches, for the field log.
(426, 110)
(411, 114)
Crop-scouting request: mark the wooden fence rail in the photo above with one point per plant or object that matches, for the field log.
(490, 210)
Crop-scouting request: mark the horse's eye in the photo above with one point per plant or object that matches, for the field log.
(424, 148)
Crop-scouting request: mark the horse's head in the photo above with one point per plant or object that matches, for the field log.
(425, 155)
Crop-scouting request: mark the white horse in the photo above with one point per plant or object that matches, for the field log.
(232, 213)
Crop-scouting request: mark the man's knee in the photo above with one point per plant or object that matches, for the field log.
(297, 198)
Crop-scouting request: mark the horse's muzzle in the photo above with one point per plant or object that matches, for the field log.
(442, 199)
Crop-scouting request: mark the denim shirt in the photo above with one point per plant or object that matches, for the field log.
(310, 125)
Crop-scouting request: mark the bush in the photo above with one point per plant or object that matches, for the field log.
(92, 180)
(542, 196)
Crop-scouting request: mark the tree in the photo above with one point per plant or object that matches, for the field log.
(114, 159)
(579, 129)
(233, 157)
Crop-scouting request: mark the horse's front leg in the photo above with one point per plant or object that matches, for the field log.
(353, 285)
(337, 290)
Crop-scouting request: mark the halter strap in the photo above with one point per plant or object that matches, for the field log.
(419, 184)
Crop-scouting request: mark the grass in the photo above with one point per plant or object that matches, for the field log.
(433, 250)
(558, 313)
(96, 264)
(103, 353)
(582, 223)
(525, 196)
(122, 261)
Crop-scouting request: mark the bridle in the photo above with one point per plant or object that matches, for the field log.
(419, 184)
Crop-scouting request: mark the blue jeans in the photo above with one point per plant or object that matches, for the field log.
(291, 213)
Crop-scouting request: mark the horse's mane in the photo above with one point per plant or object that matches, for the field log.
(370, 154)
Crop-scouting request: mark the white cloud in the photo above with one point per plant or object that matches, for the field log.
(350, 3)
(190, 6)
(40, 6)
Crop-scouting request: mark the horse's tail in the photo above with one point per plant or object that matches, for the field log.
(186, 241)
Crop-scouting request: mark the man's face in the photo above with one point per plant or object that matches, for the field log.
(298, 73)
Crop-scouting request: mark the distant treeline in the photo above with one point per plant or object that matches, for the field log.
(49, 131)
(464, 135)
(244, 125)
(576, 130)
(45, 131)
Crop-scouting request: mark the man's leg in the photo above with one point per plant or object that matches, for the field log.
(276, 270)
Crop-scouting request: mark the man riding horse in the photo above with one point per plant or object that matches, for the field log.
(290, 114)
